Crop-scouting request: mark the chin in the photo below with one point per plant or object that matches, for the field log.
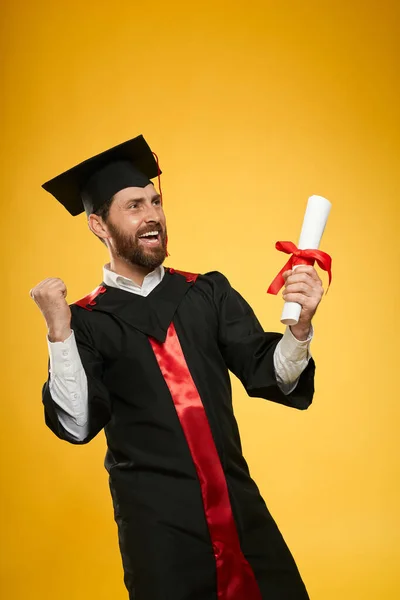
(150, 261)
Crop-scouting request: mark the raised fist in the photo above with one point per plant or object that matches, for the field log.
(50, 296)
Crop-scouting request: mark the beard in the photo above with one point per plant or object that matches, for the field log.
(132, 251)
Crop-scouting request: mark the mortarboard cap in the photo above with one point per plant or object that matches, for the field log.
(93, 182)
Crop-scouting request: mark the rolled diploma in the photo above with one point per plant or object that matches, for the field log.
(315, 219)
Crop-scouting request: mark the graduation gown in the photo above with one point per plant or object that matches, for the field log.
(192, 524)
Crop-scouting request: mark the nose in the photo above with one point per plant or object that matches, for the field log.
(152, 214)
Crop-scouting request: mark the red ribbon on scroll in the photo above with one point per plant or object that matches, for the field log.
(299, 257)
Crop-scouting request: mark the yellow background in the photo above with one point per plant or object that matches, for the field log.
(252, 107)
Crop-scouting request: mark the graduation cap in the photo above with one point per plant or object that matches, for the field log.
(93, 182)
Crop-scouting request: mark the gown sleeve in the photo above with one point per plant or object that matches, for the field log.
(248, 350)
(98, 397)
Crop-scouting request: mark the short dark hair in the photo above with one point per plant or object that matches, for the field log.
(103, 212)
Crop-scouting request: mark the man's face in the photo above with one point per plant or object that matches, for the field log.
(136, 211)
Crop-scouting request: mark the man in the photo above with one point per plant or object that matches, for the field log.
(146, 356)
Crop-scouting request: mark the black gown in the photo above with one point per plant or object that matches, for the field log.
(192, 524)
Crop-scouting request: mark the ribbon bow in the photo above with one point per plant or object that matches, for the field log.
(299, 257)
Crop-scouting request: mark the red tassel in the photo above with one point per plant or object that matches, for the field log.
(160, 190)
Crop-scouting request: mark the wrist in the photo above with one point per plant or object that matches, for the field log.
(301, 331)
(59, 334)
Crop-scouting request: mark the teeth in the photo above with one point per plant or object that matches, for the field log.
(149, 233)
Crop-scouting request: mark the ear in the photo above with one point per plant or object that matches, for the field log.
(98, 226)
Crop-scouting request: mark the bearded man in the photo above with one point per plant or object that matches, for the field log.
(146, 356)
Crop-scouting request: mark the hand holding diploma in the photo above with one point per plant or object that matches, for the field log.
(303, 287)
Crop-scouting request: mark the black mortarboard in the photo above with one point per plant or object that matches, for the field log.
(94, 181)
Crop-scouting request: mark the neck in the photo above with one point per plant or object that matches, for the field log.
(134, 272)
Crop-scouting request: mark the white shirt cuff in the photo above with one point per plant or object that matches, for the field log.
(293, 349)
(291, 357)
(64, 356)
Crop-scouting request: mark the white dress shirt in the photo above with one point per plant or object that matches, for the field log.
(68, 382)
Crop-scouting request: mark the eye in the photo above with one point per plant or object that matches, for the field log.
(158, 201)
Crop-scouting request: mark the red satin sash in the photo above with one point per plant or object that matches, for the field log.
(235, 577)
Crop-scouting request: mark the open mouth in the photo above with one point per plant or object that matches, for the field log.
(152, 239)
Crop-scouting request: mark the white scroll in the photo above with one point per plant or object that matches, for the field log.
(315, 218)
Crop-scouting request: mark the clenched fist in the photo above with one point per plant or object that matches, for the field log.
(50, 296)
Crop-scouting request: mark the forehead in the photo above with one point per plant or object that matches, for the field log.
(135, 193)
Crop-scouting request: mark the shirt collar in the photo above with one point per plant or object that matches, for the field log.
(113, 279)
